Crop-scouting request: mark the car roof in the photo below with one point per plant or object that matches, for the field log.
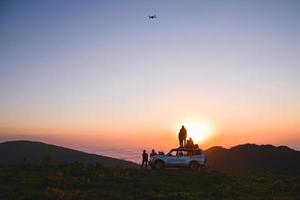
(184, 149)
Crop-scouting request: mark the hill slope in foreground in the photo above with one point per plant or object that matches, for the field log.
(87, 182)
(252, 157)
(25, 152)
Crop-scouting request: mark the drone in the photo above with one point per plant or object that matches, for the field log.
(152, 16)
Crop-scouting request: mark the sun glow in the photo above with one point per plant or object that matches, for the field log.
(199, 130)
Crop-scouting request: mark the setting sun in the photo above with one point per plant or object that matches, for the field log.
(199, 130)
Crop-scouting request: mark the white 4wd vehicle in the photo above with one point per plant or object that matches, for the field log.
(180, 157)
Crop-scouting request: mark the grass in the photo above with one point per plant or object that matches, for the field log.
(77, 181)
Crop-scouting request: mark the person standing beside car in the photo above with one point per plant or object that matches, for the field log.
(153, 153)
(145, 159)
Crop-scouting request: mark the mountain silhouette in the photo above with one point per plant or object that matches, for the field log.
(29, 152)
(252, 157)
(241, 158)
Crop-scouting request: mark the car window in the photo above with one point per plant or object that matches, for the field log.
(172, 153)
(182, 153)
(198, 152)
(179, 153)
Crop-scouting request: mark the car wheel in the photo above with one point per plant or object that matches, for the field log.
(194, 165)
(159, 164)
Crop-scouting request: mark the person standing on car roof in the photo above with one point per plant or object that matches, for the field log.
(145, 159)
(182, 136)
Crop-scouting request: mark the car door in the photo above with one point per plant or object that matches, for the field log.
(182, 158)
(172, 159)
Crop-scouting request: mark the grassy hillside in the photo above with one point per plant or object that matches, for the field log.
(29, 152)
(78, 181)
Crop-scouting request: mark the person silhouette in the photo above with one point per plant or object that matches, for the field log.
(153, 153)
(182, 136)
(190, 143)
(145, 159)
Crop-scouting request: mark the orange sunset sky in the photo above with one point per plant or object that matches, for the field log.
(89, 74)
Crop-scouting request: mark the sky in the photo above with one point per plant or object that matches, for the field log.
(90, 74)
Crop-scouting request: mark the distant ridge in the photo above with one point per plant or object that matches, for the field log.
(240, 158)
(252, 157)
(31, 152)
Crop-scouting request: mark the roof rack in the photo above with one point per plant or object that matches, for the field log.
(186, 148)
